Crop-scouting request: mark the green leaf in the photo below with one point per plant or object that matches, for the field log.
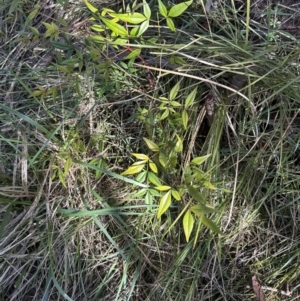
(132, 18)
(97, 28)
(200, 160)
(141, 177)
(162, 9)
(116, 28)
(90, 6)
(32, 15)
(141, 156)
(133, 169)
(106, 11)
(172, 159)
(140, 193)
(196, 194)
(210, 224)
(176, 195)
(164, 204)
(198, 173)
(185, 119)
(179, 145)
(146, 10)
(178, 9)
(151, 145)
(209, 185)
(175, 59)
(188, 225)
(62, 68)
(61, 177)
(202, 209)
(174, 91)
(171, 25)
(138, 31)
(153, 167)
(97, 38)
(133, 54)
(153, 179)
(139, 162)
(67, 166)
(175, 103)
(148, 199)
(34, 30)
(163, 188)
(163, 160)
(165, 114)
(190, 99)
(155, 192)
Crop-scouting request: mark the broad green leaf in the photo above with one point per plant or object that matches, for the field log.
(140, 193)
(178, 60)
(188, 225)
(139, 162)
(132, 18)
(151, 145)
(175, 104)
(34, 30)
(200, 174)
(185, 119)
(190, 99)
(202, 209)
(97, 38)
(171, 25)
(174, 91)
(32, 15)
(116, 28)
(90, 6)
(61, 46)
(200, 160)
(153, 179)
(179, 145)
(148, 198)
(164, 204)
(143, 27)
(67, 166)
(133, 170)
(51, 28)
(164, 99)
(146, 10)
(61, 177)
(106, 11)
(154, 192)
(162, 9)
(196, 195)
(165, 114)
(134, 31)
(97, 28)
(210, 224)
(119, 41)
(176, 195)
(209, 185)
(62, 68)
(163, 188)
(153, 167)
(141, 177)
(163, 160)
(141, 156)
(133, 54)
(173, 159)
(178, 9)
(139, 30)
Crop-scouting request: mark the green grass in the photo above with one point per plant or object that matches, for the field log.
(73, 228)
